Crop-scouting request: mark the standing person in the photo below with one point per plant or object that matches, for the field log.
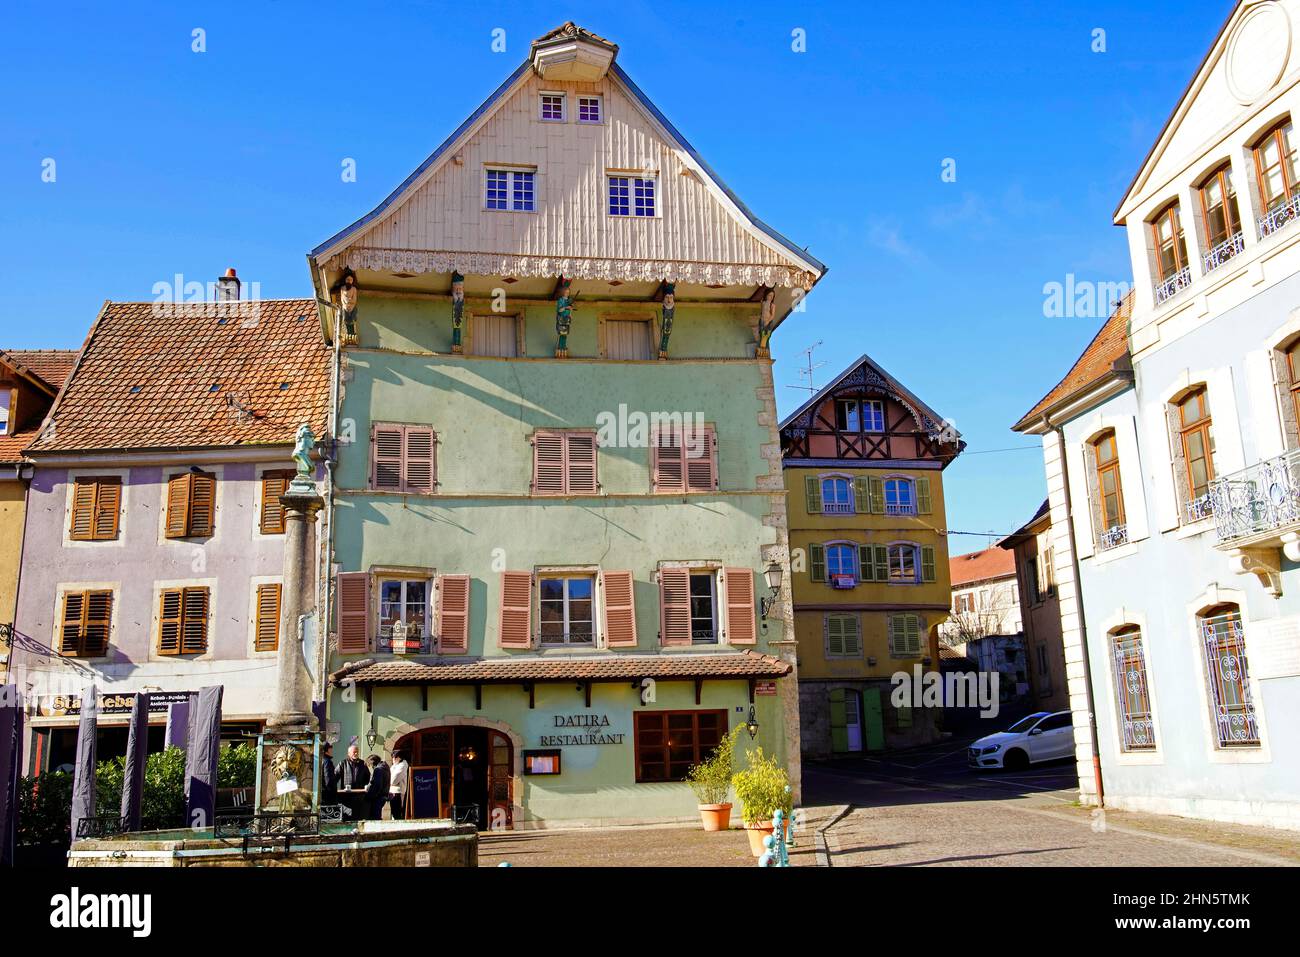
(329, 776)
(353, 772)
(377, 791)
(399, 772)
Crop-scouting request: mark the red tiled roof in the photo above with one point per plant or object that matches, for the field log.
(611, 667)
(980, 566)
(194, 376)
(1109, 344)
(51, 367)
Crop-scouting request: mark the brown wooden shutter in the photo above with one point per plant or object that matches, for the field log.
(170, 618)
(666, 469)
(194, 623)
(386, 446)
(203, 504)
(548, 463)
(579, 463)
(266, 637)
(700, 449)
(82, 527)
(453, 613)
(274, 484)
(516, 610)
(74, 623)
(419, 469)
(99, 621)
(741, 629)
(674, 606)
(620, 609)
(108, 505)
(178, 506)
(352, 597)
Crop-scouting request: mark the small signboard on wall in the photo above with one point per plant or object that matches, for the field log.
(764, 687)
(546, 761)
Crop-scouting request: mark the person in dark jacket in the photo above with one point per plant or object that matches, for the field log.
(377, 790)
(329, 776)
(353, 772)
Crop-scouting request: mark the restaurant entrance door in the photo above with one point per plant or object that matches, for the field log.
(474, 768)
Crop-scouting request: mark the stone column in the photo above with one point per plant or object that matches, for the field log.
(293, 696)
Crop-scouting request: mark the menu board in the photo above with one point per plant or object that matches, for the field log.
(425, 789)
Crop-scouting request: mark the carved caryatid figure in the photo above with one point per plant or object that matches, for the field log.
(349, 295)
(666, 326)
(457, 309)
(563, 317)
(766, 321)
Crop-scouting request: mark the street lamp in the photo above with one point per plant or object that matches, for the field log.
(772, 575)
(751, 725)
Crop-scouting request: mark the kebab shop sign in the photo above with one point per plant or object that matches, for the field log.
(573, 729)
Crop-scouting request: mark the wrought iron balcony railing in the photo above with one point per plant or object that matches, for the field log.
(1262, 498)
(1224, 251)
(1200, 508)
(1279, 216)
(1113, 537)
(1173, 285)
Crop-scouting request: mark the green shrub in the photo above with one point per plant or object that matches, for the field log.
(762, 787)
(711, 778)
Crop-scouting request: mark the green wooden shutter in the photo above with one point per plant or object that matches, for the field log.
(880, 563)
(872, 720)
(927, 563)
(839, 722)
(923, 503)
(876, 493)
(861, 494)
(852, 640)
(834, 635)
(891, 627)
(813, 493)
(817, 562)
(865, 573)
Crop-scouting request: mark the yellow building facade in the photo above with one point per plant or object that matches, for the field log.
(864, 461)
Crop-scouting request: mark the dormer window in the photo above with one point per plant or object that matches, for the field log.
(5, 398)
(552, 107)
(1172, 272)
(589, 109)
(631, 196)
(1275, 172)
(510, 189)
(1220, 218)
(860, 415)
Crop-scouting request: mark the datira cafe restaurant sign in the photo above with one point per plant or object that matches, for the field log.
(67, 705)
(574, 729)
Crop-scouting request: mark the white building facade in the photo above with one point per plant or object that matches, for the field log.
(1173, 447)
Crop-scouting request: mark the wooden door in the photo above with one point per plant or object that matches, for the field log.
(500, 783)
(873, 720)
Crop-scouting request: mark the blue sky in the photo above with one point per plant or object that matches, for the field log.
(170, 161)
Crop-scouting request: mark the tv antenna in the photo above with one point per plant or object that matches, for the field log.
(809, 368)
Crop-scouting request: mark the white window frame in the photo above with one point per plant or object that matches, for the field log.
(383, 578)
(854, 571)
(837, 508)
(876, 405)
(6, 408)
(714, 596)
(511, 172)
(916, 562)
(567, 576)
(600, 109)
(632, 179)
(898, 509)
(541, 106)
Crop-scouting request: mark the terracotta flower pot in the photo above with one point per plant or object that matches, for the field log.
(716, 817)
(756, 834)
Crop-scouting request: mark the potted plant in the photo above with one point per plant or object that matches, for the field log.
(711, 781)
(762, 787)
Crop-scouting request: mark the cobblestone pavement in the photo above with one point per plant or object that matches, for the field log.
(911, 814)
(683, 846)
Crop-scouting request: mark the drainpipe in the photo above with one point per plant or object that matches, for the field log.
(1078, 600)
(325, 579)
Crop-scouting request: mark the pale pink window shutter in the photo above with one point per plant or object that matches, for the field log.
(580, 462)
(741, 629)
(419, 467)
(387, 444)
(352, 597)
(667, 466)
(701, 452)
(620, 609)
(516, 610)
(548, 463)
(453, 614)
(674, 606)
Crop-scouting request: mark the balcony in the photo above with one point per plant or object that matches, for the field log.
(1221, 253)
(1257, 516)
(1172, 286)
(1279, 216)
(1113, 537)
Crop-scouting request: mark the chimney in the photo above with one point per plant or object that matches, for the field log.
(228, 287)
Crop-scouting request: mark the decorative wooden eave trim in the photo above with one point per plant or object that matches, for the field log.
(217, 455)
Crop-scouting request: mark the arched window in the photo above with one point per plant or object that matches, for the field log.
(1197, 439)
(1275, 172)
(837, 495)
(900, 497)
(1110, 494)
(1219, 217)
(842, 560)
(1171, 252)
(1289, 384)
(1132, 692)
(1228, 678)
(904, 563)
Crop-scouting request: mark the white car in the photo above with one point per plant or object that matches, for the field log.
(1041, 736)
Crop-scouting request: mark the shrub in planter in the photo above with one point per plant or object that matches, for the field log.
(763, 788)
(711, 782)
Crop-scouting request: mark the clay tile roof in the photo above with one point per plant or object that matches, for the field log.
(49, 365)
(199, 375)
(616, 667)
(980, 566)
(570, 31)
(1109, 345)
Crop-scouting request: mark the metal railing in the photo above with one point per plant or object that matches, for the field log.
(1224, 251)
(247, 823)
(1200, 508)
(1173, 285)
(1279, 216)
(1262, 498)
(1113, 537)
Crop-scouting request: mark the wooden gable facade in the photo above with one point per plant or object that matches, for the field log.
(866, 416)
